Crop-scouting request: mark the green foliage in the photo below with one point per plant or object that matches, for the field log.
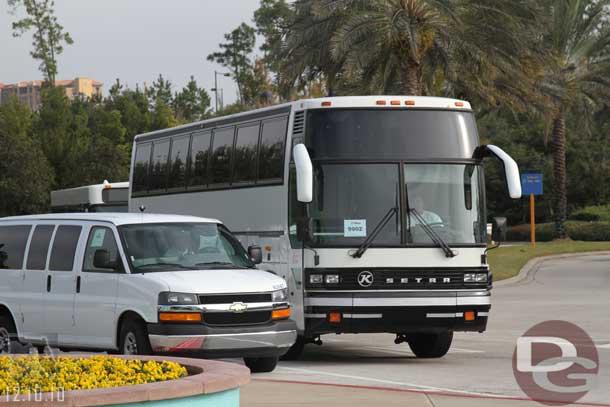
(592, 213)
(48, 35)
(235, 54)
(589, 231)
(25, 174)
(545, 232)
(192, 103)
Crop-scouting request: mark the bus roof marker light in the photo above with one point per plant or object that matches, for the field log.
(380, 102)
(459, 104)
(326, 104)
(395, 102)
(410, 102)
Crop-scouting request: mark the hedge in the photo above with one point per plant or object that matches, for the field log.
(592, 213)
(576, 230)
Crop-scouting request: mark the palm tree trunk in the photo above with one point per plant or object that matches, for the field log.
(559, 170)
(411, 83)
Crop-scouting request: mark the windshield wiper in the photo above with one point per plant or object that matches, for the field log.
(220, 263)
(181, 266)
(369, 240)
(433, 235)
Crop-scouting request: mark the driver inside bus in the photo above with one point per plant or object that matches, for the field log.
(428, 216)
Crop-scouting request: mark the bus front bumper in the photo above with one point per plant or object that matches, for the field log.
(245, 341)
(407, 312)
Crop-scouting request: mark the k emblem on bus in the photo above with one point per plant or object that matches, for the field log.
(365, 279)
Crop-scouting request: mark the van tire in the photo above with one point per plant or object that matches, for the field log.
(8, 334)
(296, 350)
(431, 345)
(133, 338)
(261, 365)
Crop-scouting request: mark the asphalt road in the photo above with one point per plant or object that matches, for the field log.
(573, 289)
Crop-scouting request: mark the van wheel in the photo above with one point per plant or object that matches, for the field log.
(296, 350)
(261, 365)
(133, 338)
(435, 345)
(8, 334)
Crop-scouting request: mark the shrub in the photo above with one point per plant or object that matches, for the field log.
(545, 232)
(589, 231)
(592, 213)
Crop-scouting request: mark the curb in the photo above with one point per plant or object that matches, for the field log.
(528, 271)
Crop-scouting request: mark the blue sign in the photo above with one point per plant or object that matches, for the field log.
(531, 183)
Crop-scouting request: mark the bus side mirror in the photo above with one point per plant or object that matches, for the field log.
(304, 169)
(499, 229)
(511, 169)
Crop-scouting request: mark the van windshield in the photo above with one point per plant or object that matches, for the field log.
(154, 247)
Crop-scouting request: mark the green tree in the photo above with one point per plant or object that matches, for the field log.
(574, 77)
(235, 54)
(257, 87)
(192, 102)
(133, 105)
(161, 89)
(25, 174)
(48, 36)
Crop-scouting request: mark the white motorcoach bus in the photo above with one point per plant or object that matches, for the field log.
(105, 197)
(372, 208)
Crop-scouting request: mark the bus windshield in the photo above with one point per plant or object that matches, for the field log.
(351, 199)
(181, 246)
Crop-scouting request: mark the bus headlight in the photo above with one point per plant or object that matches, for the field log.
(331, 279)
(316, 278)
(475, 277)
(280, 295)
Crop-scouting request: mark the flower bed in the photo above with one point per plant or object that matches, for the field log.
(29, 374)
(134, 381)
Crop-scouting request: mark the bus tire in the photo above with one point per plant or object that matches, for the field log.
(261, 365)
(432, 345)
(296, 350)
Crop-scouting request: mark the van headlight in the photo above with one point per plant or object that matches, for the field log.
(280, 295)
(169, 298)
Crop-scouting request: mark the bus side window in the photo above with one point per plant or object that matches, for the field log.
(246, 154)
(159, 166)
(141, 168)
(221, 156)
(198, 159)
(180, 148)
(271, 152)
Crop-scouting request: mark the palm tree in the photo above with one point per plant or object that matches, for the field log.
(412, 46)
(575, 76)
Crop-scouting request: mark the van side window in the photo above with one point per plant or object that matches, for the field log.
(12, 246)
(64, 248)
(101, 238)
(271, 153)
(39, 247)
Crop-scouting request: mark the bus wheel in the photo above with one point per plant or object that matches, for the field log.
(261, 365)
(296, 350)
(433, 345)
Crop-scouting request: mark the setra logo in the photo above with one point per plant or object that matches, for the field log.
(238, 307)
(365, 278)
(555, 363)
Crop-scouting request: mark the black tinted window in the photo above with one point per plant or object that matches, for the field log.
(221, 156)
(101, 238)
(271, 155)
(159, 165)
(64, 248)
(200, 153)
(141, 168)
(245, 156)
(12, 246)
(180, 149)
(39, 247)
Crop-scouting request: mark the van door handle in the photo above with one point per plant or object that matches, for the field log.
(78, 284)
(48, 283)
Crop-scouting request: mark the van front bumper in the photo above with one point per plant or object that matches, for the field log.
(272, 339)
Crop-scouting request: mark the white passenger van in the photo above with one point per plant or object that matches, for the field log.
(139, 284)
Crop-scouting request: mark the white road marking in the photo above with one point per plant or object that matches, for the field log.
(411, 386)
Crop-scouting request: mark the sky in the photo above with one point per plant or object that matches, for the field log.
(134, 40)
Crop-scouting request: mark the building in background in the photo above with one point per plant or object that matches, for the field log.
(29, 93)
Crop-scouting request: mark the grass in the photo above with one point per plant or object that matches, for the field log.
(506, 262)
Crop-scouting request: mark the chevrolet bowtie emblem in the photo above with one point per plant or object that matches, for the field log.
(238, 307)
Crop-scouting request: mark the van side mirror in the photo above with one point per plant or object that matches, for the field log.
(511, 169)
(304, 169)
(256, 254)
(305, 230)
(499, 229)
(101, 260)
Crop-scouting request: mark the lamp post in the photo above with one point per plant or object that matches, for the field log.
(215, 88)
